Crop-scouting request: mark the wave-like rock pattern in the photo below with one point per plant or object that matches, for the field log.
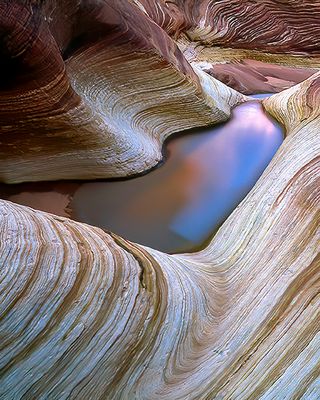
(108, 81)
(106, 109)
(88, 315)
(211, 33)
(92, 89)
(273, 26)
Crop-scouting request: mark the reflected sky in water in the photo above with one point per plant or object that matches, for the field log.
(178, 206)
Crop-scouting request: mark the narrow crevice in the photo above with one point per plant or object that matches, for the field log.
(130, 249)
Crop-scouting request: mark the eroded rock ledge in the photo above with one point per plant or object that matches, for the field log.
(104, 111)
(91, 89)
(86, 314)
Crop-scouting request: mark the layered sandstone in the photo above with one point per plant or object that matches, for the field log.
(86, 314)
(106, 109)
(92, 89)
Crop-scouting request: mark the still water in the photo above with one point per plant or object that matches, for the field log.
(178, 206)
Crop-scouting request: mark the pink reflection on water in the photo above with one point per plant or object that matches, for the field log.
(179, 205)
(233, 158)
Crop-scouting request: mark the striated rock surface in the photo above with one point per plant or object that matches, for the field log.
(249, 71)
(273, 26)
(246, 34)
(91, 89)
(86, 314)
(104, 111)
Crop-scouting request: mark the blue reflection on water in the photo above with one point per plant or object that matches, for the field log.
(261, 95)
(239, 152)
(178, 206)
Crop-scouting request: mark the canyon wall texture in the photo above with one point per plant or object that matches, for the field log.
(105, 110)
(92, 89)
(274, 26)
(86, 314)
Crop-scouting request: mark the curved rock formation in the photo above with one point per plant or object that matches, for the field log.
(105, 111)
(86, 314)
(273, 26)
(252, 76)
(91, 89)
(211, 33)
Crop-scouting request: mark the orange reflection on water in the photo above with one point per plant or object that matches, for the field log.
(179, 205)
